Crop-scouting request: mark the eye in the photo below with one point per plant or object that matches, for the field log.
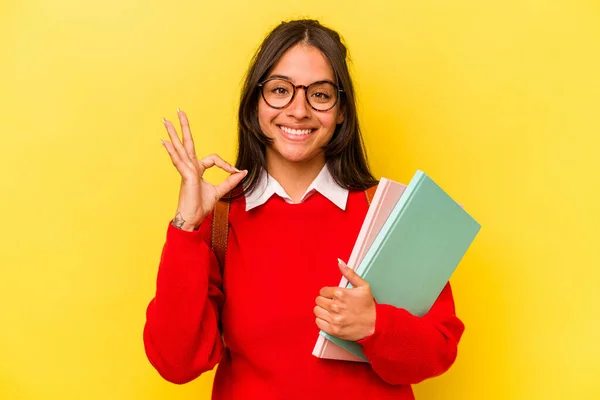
(280, 90)
(322, 92)
(321, 95)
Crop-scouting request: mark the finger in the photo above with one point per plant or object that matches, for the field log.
(324, 326)
(230, 183)
(177, 145)
(332, 292)
(181, 166)
(186, 133)
(327, 304)
(351, 275)
(322, 313)
(212, 160)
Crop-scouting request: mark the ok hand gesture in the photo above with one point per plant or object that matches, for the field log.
(197, 197)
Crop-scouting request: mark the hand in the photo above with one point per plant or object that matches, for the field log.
(197, 197)
(347, 313)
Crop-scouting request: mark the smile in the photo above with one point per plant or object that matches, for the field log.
(295, 132)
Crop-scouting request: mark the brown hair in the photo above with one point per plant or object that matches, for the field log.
(345, 153)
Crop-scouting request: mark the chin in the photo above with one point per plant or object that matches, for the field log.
(296, 157)
(293, 155)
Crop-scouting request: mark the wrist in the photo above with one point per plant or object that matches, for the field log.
(372, 320)
(184, 227)
(180, 223)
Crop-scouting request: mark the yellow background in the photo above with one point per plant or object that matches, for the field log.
(498, 100)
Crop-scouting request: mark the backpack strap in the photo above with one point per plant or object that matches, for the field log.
(220, 230)
(370, 193)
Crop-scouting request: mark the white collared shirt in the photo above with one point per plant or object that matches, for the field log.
(324, 183)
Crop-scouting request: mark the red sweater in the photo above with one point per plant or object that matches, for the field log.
(257, 319)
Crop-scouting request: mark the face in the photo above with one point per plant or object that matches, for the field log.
(298, 131)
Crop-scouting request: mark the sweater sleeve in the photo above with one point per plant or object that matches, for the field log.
(406, 349)
(181, 334)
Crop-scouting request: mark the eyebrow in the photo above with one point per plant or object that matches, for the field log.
(287, 78)
(280, 76)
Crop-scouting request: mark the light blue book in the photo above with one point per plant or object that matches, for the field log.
(416, 251)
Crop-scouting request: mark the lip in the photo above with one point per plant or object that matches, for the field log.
(295, 138)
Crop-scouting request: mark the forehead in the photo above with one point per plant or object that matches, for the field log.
(303, 64)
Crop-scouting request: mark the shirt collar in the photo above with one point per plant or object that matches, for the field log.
(324, 183)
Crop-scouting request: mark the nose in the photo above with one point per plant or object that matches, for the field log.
(299, 107)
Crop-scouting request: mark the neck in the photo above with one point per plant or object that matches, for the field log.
(294, 177)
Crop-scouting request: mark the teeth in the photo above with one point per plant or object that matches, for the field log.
(295, 131)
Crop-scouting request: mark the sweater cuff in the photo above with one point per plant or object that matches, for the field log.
(384, 317)
(177, 235)
(185, 257)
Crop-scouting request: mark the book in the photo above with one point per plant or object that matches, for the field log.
(385, 198)
(416, 251)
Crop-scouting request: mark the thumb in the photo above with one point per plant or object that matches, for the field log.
(230, 183)
(351, 275)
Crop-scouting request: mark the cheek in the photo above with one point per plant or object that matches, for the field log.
(265, 115)
(328, 122)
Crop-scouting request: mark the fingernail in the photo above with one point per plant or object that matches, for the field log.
(236, 170)
(162, 142)
(178, 110)
(164, 121)
(342, 264)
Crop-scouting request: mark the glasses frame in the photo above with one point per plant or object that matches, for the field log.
(338, 89)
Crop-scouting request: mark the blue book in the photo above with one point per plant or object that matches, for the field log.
(416, 251)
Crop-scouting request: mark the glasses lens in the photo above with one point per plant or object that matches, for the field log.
(322, 95)
(277, 92)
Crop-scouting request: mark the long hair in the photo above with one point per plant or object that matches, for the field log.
(345, 153)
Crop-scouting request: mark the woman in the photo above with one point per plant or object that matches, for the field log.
(301, 169)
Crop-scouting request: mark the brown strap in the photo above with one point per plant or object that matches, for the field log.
(370, 193)
(220, 230)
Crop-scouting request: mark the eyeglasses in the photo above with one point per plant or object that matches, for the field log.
(279, 93)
